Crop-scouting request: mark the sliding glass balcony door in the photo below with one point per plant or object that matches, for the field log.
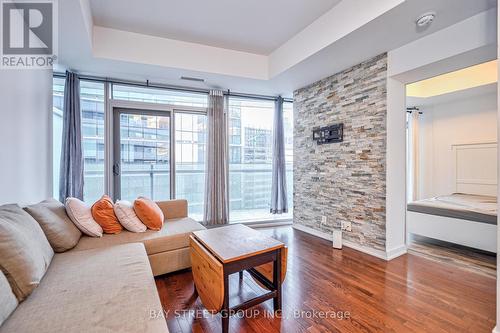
(142, 154)
(153, 142)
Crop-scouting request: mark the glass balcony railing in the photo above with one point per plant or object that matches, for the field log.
(250, 193)
(249, 190)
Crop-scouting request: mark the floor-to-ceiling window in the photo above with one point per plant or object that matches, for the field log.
(57, 124)
(251, 156)
(190, 148)
(288, 127)
(147, 145)
(92, 106)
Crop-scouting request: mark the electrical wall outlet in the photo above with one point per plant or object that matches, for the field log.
(323, 219)
(346, 226)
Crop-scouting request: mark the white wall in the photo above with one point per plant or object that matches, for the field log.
(498, 188)
(460, 119)
(443, 52)
(25, 135)
(396, 168)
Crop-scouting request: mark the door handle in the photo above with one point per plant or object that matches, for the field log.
(116, 169)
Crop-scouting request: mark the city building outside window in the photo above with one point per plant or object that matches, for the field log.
(146, 144)
(57, 124)
(190, 148)
(251, 156)
(145, 156)
(92, 118)
(155, 95)
(288, 127)
(92, 106)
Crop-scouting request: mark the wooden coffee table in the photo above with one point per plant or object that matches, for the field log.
(219, 252)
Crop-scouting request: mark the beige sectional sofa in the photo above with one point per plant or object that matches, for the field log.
(167, 249)
(106, 284)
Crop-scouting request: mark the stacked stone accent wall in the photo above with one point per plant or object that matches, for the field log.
(343, 181)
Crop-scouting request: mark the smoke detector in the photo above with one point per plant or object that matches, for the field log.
(425, 20)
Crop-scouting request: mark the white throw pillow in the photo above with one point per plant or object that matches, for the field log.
(124, 211)
(81, 216)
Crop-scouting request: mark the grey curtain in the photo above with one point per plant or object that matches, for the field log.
(413, 149)
(71, 172)
(216, 189)
(279, 204)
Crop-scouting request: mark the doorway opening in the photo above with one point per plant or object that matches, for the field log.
(451, 209)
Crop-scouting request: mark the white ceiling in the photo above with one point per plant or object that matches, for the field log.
(257, 26)
(487, 89)
(390, 29)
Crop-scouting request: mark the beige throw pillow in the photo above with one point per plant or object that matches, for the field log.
(124, 211)
(81, 216)
(7, 299)
(56, 224)
(25, 253)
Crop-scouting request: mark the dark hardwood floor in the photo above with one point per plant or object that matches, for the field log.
(481, 262)
(328, 290)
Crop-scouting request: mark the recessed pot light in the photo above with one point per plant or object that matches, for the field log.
(425, 19)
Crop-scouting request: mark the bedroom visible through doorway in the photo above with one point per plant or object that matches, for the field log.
(451, 212)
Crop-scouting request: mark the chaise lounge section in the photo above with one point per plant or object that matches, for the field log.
(106, 284)
(98, 290)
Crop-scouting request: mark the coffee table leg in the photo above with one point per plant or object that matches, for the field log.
(277, 281)
(225, 305)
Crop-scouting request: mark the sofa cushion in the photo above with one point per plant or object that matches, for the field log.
(149, 213)
(25, 252)
(7, 299)
(93, 291)
(174, 235)
(61, 233)
(104, 214)
(125, 213)
(81, 216)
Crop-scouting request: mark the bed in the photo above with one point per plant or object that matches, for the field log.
(469, 216)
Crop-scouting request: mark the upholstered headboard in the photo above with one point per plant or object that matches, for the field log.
(476, 168)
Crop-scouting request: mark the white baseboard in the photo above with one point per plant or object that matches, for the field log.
(393, 253)
(373, 252)
(396, 252)
(313, 232)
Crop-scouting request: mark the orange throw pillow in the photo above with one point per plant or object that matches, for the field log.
(104, 214)
(149, 213)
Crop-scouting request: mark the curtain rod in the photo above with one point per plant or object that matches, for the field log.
(413, 108)
(148, 84)
(242, 95)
